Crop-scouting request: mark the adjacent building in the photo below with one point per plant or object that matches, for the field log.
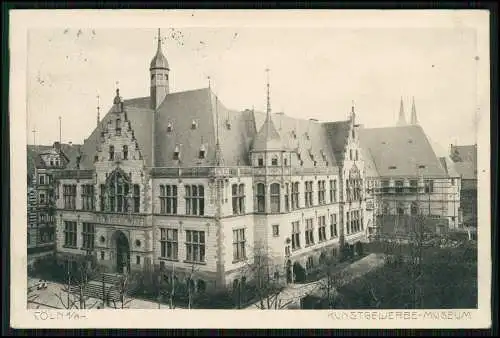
(405, 178)
(178, 181)
(43, 163)
(465, 163)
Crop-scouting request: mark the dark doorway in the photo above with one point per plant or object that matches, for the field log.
(299, 272)
(122, 252)
(288, 271)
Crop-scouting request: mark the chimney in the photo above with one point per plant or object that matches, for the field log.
(57, 146)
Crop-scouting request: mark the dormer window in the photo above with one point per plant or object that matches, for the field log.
(293, 134)
(392, 167)
(194, 124)
(57, 162)
(315, 163)
(176, 153)
(274, 161)
(169, 127)
(260, 162)
(326, 163)
(96, 158)
(51, 162)
(201, 154)
(228, 124)
(307, 136)
(421, 166)
(125, 152)
(301, 163)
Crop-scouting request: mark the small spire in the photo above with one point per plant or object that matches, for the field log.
(209, 82)
(353, 113)
(413, 112)
(159, 39)
(117, 99)
(402, 119)
(98, 110)
(268, 111)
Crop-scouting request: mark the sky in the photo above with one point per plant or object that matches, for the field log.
(314, 73)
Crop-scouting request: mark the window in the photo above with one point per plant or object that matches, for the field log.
(274, 161)
(88, 236)
(321, 192)
(194, 124)
(115, 193)
(308, 193)
(333, 191)
(333, 226)
(239, 245)
(285, 162)
(356, 153)
(169, 244)
(414, 208)
(452, 181)
(275, 197)
(309, 262)
(96, 158)
(137, 260)
(102, 197)
(260, 162)
(295, 195)
(125, 152)
(42, 198)
(102, 255)
(309, 232)
(276, 230)
(238, 199)
(69, 192)
(169, 127)
(42, 179)
(429, 186)
(168, 199)
(413, 184)
(111, 152)
(348, 190)
(70, 234)
(287, 197)
(350, 154)
(195, 246)
(176, 153)
(261, 197)
(137, 198)
(347, 223)
(195, 200)
(399, 186)
(201, 153)
(87, 197)
(321, 228)
(295, 235)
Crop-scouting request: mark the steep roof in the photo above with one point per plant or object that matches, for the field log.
(267, 138)
(401, 151)
(338, 134)
(466, 170)
(308, 138)
(449, 166)
(70, 151)
(467, 153)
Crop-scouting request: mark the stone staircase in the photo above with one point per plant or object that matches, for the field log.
(94, 287)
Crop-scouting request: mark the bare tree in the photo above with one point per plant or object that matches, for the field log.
(123, 289)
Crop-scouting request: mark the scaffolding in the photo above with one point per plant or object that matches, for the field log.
(396, 201)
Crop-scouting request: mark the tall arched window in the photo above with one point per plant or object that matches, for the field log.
(261, 197)
(274, 161)
(117, 189)
(275, 197)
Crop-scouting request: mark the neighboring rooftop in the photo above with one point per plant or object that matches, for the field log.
(401, 151)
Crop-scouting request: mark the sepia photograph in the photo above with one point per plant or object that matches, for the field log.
(183, 161)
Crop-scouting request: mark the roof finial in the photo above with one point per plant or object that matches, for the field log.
(353, 113)
(209, 83)
(98, 110)
(159, 39)
(268, 111)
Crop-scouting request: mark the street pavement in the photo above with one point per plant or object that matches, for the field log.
(48, 299)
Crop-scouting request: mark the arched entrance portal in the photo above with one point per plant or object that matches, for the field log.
(122, 252)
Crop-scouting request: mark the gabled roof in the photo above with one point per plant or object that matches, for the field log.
(449, 166)
(267, 138)
(338, 135)
(467, 170)
(401, 151)
(467, 153)
(69, 152)
(307, 138)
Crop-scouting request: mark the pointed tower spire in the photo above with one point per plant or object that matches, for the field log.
(353, 113)
(402, 119)
(159, 74)
(159, 41)
(413, 112)
(268, 110)
(98, 111)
